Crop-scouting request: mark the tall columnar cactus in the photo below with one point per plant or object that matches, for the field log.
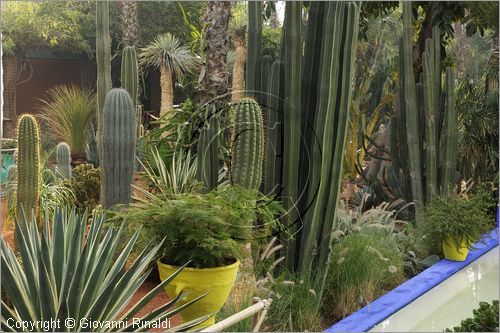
(424, 131)
(318, 229)
(273, 129)
(254, 48)
(129, 73)
(208, 154)
(450, 136)
(247, 144)
(117, 143)
(103, 56)
(28, 166)
(410, 109)
(292, 118)
(63, 158)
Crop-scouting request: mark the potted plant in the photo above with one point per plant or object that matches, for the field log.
(208, 231)
(455, 223)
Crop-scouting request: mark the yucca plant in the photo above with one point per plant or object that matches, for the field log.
(69, 270)
(67, 113)
(172, 58)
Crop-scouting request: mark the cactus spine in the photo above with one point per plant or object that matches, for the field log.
(208, 154)
(247, 144)
(103, 56)
(63, 157)
(117, 143)
(129, 73)
(28, 166)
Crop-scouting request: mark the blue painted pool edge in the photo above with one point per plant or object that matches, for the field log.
(375, 312)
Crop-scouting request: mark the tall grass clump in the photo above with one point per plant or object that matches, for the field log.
(67, 113)
(363, 265)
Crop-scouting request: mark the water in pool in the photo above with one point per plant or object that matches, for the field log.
(451, 301)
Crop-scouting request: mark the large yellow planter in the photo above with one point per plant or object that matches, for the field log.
(197, 281)
(452, 253)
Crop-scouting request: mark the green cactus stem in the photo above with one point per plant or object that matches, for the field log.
(118, 144)
(247, 153)
(129, 73)
(28, 166)
(63, 157)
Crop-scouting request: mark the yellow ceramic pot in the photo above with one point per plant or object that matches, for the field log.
(197, 281)
(452, 253)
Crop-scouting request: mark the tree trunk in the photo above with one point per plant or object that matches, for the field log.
(167, 91)
(239, 71)
(216, 47)
(129, 22)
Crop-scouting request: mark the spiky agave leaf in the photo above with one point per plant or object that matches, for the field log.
(73, 271)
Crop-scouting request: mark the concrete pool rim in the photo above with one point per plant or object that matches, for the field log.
(375, 312)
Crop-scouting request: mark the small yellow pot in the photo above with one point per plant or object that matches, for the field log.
(452, 253)
(197, 281)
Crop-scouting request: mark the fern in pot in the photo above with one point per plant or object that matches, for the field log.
(206, 229)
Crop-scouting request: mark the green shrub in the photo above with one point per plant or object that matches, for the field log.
(363, 265)
(85, 185)
(459, 218)
(485, 319)
(205, 228)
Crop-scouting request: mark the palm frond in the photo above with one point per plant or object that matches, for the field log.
(166, 50)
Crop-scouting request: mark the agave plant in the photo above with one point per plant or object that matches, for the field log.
(179, 177)
(69, 270)
(68, 113)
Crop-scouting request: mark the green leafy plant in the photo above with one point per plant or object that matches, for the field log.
(68, 112)
(84, 184)
(71, 271)
(205, 228)
(460, 219)
(485, 319)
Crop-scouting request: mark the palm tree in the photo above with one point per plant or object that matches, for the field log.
(166, 53)
(215, 49)
(237, 31)
(129, 22)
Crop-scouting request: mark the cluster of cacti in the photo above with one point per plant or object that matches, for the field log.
(63, 158)
(28, 166)
(208, 153)
(306, 96)
(424, 131)
(247, 151)
(85, 184)
(117, 142)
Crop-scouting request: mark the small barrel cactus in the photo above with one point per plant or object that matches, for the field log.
(118, 144)
(247, 144)
(28, 166)
(63, 156)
